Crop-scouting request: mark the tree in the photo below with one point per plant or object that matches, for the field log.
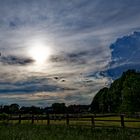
(122, 96)
(100, 101)
(14, 108)
(59, 108)
(6, 109)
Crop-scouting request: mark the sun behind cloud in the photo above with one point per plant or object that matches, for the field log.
(39, 52)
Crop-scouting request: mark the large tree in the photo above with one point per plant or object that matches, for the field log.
(122, 96)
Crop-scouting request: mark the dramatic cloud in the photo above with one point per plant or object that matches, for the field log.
(76, 58)
(78, 34)
(14, 60)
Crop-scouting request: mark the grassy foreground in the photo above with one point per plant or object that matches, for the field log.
(43, 132)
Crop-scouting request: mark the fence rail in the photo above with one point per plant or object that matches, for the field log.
(67, 119)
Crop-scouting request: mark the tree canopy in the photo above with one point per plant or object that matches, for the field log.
(122, 96)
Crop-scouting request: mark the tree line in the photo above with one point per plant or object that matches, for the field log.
(57, 108)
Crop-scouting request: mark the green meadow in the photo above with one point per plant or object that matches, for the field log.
(55, 132)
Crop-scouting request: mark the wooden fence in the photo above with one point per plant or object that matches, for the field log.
(67, 119)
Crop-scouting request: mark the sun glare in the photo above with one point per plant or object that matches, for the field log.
(39, 52)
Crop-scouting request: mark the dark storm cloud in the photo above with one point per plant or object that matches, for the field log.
(28, 86)
(15, 60)
(69, 58)
(79, 57)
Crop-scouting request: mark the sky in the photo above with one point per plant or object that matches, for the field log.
(65, 50)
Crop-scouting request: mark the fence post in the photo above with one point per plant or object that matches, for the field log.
(37, 117)
(48, 119)
(32, 119)
(19, 119)
(93, 121)
(67, 119)
(8, 118)
(122, 120)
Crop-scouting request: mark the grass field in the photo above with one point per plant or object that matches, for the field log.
(43, 132)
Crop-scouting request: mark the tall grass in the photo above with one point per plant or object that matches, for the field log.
(43, 132)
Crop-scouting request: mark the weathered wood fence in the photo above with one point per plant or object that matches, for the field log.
(68, 118)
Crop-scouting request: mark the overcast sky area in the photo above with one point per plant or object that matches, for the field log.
(88, 43)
